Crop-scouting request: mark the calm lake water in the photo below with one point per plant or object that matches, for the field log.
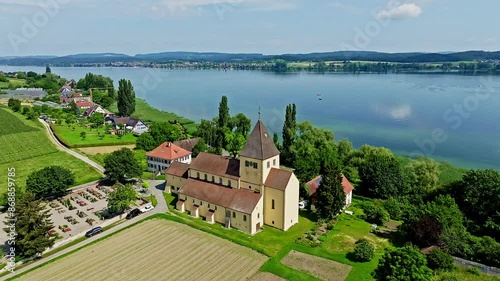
(448, 117)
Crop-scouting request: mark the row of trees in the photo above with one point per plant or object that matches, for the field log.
(224, 131)
(404, 189)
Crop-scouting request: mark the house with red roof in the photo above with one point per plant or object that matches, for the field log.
(314, 184)
(83, 104)
(164, 155)
(245, 193)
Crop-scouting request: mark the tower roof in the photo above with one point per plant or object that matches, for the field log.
(260, 145)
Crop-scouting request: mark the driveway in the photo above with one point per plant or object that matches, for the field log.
(61, 147)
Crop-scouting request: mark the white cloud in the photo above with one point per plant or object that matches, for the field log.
(401, 12)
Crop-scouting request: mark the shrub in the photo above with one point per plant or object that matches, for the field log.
(364, 251)
(473, 270)
(330, 226)
(439, 260)
(375, 214)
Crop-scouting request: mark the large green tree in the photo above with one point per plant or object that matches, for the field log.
(121, 164)
(94, 81)
(207, 130)
(234, 143)
(406, 263)
(32, 224)
(97, 119)
(222, 125)
(478, 196)
(241, 124)
(289, 134)
(381, 176)
(121, 198)
(330, 198)
(422, 176)
(166, 131)
(201, 146)
(126, 98)
(49, 181)
(146, 142)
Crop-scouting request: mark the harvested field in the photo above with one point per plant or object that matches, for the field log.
(155, 250)
(104, 149)
(266, 276)
(318, 267)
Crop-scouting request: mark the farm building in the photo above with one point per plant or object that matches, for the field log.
(243, 193)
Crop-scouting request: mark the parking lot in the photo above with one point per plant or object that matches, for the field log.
(76, 212)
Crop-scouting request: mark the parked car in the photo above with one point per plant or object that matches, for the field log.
(132, 214)
(302, 204)
(94, 231)
(146, 208)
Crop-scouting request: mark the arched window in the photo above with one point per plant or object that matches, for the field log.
(272, 204)
(244, 217)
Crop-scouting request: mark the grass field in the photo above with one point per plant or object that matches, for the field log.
(147, 113)
(73, 138)
(16, 82)
(155, 250)
(26, 147)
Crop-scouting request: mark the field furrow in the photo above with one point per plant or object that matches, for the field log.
(155, 250)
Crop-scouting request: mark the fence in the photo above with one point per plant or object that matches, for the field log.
(485, 269)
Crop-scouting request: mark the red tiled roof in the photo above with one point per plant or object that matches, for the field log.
(178, 169)
(278, 178)
(168, 151)
(83, 104)
(313, 185)
(240, 200)
(217, 165)
(347, 185)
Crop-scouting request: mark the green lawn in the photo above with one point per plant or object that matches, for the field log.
(148, 113)
(26, 147)
(73, 138)
(16, 82)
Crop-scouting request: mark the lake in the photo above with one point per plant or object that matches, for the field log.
(448, 117)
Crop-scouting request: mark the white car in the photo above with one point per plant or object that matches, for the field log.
(146, 208)
(302, 204)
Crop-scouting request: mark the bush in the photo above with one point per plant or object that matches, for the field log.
(364, 251)
(473, 270)
(439, 260)
(375, 214)
(330, 225)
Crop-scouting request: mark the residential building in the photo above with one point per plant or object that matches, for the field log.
(164, 155)
(95, 109)
(83, 104)
(245, 193)
(130, 124)
(314, 184)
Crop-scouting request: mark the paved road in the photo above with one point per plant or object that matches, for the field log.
(157, 188)
(61, 147)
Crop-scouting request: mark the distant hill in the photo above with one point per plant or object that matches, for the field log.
(414, 57)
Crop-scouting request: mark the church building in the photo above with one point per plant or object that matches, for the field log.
(245, 193)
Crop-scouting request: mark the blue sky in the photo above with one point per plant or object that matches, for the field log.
(261, 26)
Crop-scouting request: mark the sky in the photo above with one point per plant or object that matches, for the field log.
(62, 27)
